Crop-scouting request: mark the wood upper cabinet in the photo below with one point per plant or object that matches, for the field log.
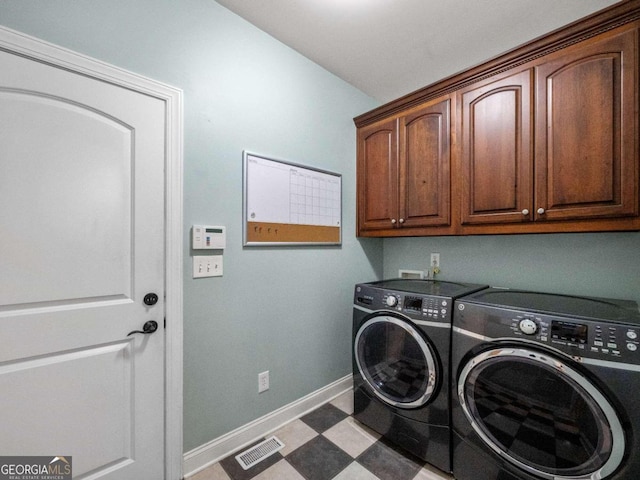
(584, 164)
(496, 150)
(586, 114)
(424, 168)
(404, 170)
(377, 176)
(544, 138)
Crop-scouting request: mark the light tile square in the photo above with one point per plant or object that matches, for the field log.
(355, 471)
(432, 473)
(351, 436)
(294, 435)
(280, 471)
(344, 402)
(214, 472)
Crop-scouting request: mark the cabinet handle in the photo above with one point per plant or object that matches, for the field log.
(393, 220)
(540, 211)
(401, 220)
(525, 212)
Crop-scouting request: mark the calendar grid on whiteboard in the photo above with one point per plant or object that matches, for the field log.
(313, 200)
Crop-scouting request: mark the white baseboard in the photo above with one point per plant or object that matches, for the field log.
(205, 455)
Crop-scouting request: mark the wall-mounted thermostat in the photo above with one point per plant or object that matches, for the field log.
(207, 237)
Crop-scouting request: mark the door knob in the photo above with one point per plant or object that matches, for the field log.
(540, 211)
(149, 327)
(525, 212)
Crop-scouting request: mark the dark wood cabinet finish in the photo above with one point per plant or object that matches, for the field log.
(544, 138)
(496, 150)
(425, 166)
(404, 171)
(586, 114)
(378, 176)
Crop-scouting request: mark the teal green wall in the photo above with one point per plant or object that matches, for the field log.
(286, 310)
(595, 264)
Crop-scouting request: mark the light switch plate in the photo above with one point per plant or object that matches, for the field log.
(207, 266)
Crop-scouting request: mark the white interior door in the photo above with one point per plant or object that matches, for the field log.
(81, 243)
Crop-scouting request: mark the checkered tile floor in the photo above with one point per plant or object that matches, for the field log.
(328, 444)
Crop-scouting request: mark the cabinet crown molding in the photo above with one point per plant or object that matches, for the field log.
(602, 21)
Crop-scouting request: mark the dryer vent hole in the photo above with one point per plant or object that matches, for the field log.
(259, 452)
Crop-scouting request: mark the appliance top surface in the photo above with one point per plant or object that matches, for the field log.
(583, 307)
(427, 287)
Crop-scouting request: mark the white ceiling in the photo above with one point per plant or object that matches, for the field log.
(389, 48)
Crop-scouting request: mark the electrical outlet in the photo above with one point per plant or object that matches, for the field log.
(435, 260)
(263, 381)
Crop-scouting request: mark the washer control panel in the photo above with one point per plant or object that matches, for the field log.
(421, 307)
(587, 338)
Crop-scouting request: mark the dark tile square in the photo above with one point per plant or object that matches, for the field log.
(388, 463)
(324, 417)
(235, 470)
(319, 459)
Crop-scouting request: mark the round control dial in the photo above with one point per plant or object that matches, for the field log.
(528, 327)
(391, 301)
(632, 335)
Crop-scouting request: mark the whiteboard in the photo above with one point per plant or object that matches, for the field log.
(286, 203)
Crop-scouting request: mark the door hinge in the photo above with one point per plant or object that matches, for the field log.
(165, 322)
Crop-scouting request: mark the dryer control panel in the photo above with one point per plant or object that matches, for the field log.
(613, 341)
(419, 307)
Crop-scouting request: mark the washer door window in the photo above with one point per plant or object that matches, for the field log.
(396, 361)
(541, 415)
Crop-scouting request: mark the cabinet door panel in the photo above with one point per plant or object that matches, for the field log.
(585, 158)
(496, 151)
(424, 176)
(378, 176)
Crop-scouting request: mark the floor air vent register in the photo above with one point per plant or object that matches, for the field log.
(259, 452)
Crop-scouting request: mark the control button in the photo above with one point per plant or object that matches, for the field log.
(612, 345)
(528, 327)
(632, 347)
(444, 303)
(598, 344)
(443, 311)
(632, 335)
(391, 301)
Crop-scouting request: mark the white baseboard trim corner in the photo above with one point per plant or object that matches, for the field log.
(206, 455)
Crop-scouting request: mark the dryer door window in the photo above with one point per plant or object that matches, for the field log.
(396, 361)
(541, 414)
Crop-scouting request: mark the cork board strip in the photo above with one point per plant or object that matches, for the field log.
(262, 232)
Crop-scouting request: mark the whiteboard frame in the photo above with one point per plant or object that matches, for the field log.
(246, 195)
